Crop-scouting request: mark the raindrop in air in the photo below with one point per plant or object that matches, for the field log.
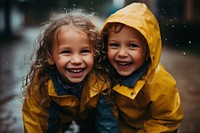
(74, 6)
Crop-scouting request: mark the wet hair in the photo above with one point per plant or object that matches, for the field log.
(38, 73)
(112, 73)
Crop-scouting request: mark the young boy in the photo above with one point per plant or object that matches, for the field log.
(146, 95)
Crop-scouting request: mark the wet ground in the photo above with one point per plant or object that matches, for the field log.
(183, 66)
(12, 68)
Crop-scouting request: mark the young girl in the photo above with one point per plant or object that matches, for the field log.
(146, 95)
(65, 81)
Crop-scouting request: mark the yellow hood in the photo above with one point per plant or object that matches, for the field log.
(138, 16)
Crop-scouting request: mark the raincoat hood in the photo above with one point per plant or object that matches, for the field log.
(138, 16)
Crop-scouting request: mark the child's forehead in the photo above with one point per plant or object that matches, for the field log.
(114, 28)
(117, 27)
(70, 33)
(66, 28)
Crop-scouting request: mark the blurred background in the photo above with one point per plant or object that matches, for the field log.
(20, 22)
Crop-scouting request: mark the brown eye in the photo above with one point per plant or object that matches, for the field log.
(113, 45)
(133, 45)
(85, 51)
(65, 52)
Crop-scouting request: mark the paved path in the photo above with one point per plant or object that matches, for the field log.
(184, 68)
(12, 68)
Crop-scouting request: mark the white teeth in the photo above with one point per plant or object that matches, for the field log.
(75, 70)
(123, 64)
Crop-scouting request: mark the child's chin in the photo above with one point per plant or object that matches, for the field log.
(124, 74)
(76, 81)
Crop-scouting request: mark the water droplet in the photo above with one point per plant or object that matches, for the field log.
(172, 26)
(165, 39)
(189, 42)
(184, 53)
(176, 45)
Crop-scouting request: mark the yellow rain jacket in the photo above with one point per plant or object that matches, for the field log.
(61, 110)
(153, 105)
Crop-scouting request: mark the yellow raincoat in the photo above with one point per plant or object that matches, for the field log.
(153, 104)
(61, 110)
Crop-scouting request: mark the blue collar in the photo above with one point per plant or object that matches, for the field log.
(131, 80)
(63, 88)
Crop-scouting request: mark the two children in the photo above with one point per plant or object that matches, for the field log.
(145, 94)
(65, 83)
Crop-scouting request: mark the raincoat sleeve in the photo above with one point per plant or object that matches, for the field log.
(106, 121)
(166, 111)
(34, 117)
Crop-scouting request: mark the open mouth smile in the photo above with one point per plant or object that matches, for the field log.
(123, 63)
(76, 70)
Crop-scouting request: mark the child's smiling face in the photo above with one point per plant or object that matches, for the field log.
(72, 54)
(126, 50)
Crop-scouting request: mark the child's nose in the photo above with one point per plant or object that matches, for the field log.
(122, 52)
(76, 59)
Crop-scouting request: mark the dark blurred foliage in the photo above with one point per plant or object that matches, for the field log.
(180, 30)
(37, 11)
(179, 22)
